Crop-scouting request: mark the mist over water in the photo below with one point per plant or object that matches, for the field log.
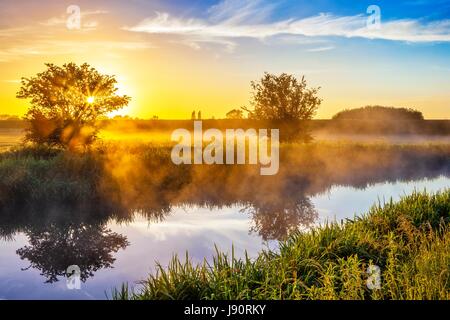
(147, 209)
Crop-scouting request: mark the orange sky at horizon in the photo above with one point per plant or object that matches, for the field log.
(155, 98)
(170, 76)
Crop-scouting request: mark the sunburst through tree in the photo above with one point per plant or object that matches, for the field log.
(66, 103)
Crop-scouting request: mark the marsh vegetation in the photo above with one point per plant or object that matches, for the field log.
(64, 203)
(119, 180)
(408, 241)
(69, 197)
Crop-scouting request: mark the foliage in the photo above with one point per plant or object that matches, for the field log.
(285, 101)
(53, 248)
(235, 114)
(66, 103)
(283, 97)
(408, 240)
(379, 113)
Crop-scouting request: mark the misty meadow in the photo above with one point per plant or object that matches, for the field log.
(224, 150)
(122, 211)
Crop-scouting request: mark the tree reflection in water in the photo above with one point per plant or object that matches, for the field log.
(52, 249)
(66, 230)
(275, 221)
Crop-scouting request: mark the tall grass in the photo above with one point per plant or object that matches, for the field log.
(117, 180)
(43, 174)
(408, 240)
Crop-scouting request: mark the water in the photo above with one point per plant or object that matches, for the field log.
(120, 252)
(166, 211)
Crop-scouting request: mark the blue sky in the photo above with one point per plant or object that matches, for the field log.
(426, 10)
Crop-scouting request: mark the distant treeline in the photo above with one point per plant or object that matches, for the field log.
(12, 124)
(379, 113)
(369, 127)
(336, 126)
(9, 117)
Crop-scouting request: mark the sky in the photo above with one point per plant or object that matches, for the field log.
(173, 57)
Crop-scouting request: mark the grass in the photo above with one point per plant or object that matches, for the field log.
(120, 179)
(45, 174)
(135, 173)
(408, 240)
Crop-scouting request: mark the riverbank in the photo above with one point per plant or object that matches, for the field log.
(142, 177)
(408, 242)
(48, 192)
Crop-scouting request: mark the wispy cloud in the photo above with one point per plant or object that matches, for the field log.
(44, 39)
(14, 81)
(240, 11)
(41, 47)
(62, 20)
(232, 19)
(13, 32)
(320, 49)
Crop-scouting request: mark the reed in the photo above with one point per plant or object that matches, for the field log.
(409, 240)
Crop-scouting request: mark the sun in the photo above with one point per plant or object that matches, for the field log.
(90, 99)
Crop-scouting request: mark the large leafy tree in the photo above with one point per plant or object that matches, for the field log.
(283, 97)
(285, 100)
(66, 103)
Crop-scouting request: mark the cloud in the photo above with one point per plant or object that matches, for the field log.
(13, 32)
(197, 43)
(62, 47)
(54, 21)
(14, 81)
(43, 39)
(239, 11)
(321, 49)
(231, 19)
(62, 20)
(409, 30)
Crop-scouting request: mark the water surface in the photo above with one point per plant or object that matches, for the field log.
(196, 229)
(149, 209)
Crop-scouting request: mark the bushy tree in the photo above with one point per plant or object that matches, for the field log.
(66, 103)
(379, 113)
(283, 97)
(235, 114)
(287, 101)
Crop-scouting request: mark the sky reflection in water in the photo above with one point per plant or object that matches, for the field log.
(193, 228)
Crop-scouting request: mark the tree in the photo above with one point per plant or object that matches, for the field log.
(235, 114)
(379, 113)
(66, 103)
(52, 249)
(283, 97)
(275, 220)
(8, 117)
(285, 100)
